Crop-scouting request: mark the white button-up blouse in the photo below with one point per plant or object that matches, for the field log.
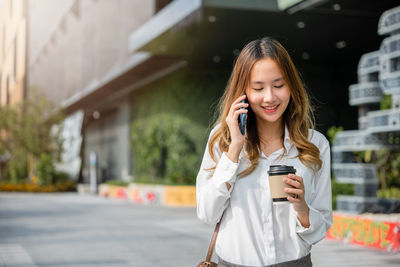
(255, 231)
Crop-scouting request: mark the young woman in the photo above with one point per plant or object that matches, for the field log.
(233, 177)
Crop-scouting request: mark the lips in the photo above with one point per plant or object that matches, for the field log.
(270, 109)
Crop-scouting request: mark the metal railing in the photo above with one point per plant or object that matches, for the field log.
(364, 93)
(383, 121)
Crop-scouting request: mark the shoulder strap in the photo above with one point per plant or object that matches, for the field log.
(213, 240)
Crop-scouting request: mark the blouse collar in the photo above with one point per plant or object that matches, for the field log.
(286, 140)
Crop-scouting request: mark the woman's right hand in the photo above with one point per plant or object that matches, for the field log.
(237, 139)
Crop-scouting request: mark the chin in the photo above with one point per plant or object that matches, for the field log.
(270, 120)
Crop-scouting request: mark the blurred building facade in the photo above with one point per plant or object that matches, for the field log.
(103, 61)
(378, 75)
(74, 53)
(13, 30)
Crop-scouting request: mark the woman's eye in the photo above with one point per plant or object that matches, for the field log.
(279, 86)
(258, 89)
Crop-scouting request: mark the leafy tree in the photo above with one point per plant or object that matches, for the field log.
(25, 135)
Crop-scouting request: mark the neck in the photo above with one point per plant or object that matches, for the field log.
(270, 132)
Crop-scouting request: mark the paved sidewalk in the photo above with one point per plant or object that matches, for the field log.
(329, 253)
(53, 230)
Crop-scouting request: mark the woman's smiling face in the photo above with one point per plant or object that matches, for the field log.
(267, 92)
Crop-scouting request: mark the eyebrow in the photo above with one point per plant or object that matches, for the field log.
(276, 80)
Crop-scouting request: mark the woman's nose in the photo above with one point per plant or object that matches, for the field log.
(268, 95)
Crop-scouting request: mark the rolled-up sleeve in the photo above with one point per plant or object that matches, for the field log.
(320, 203)
(212, 193)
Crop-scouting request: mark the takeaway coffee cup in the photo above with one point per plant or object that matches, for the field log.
(276, 183)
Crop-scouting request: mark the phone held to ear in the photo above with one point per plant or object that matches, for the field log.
(242, 119)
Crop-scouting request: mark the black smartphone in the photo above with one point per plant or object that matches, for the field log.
(242, 119)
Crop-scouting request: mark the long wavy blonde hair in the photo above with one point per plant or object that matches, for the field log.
(298, 115)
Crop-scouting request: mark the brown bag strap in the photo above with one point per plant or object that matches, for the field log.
(213, 240)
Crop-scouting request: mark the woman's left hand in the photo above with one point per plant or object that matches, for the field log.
(299, 203)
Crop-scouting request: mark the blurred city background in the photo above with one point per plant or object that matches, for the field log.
(110, 102)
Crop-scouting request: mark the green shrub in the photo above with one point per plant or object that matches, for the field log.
(16, 170)
(340, 189)
(386, 102)
(390, 193)
(332, 131)
(61, 177)
(68, 186)
(45, 170)
(166, 147)
(117, 183)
